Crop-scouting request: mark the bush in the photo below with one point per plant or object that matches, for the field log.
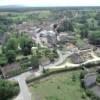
(11, 56)
(25, 65)
(98, 78)
(24, 62)
(83, 96)
(3, 60)
(98, 70)
(7, 90)
(89, 93)
(82, 83)
(73, 78)
(94, 37)
(82, 74)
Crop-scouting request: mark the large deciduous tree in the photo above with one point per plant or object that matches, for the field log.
(35, 62)
(7, 90)
(26, 45)
(65, 25)
(11, 56)
(12, 44)
(94, 37)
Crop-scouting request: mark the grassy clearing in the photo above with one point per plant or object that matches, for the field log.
(63, 86)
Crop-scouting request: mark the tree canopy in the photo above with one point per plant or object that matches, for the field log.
(26, 45)
(7, 90)
(94, 37)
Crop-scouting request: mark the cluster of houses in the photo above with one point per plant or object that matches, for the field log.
(48, 36)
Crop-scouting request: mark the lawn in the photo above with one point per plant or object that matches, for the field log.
(63, 86)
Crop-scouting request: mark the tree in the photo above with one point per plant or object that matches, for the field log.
(84, 31)
(65, 25)
(92, 24)
(7, 90)
(98, 78)
(82, 19)
(97, 17)
(11, 56)
(50, 54)
(94, 37)
(47, 52)
(38, 53)
(12, 44)
(73, 78)
(82, 74)
(26, 45)
(3, 59)
(35, 62)
(55, 53)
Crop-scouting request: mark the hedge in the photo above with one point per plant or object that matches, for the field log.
(48, 73)
(91, 64)
(91, 95)
(56, 71)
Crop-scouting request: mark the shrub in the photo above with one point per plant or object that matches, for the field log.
(98, 78)
(94, 37)
(58, 87)
(83, 96)
(82, 83)
(82, 74)
(7, 90)
(98, 70)
(89, 93)
(25, 65)
(11, 56)
(73, 78)
(3, 60)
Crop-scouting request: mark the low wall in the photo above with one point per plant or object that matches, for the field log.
(92, 64)
(56, 71)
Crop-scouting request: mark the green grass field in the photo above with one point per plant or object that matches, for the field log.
(63, 86)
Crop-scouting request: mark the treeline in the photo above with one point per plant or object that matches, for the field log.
(25, 9)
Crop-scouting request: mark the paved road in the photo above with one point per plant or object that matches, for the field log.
(24, 92)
